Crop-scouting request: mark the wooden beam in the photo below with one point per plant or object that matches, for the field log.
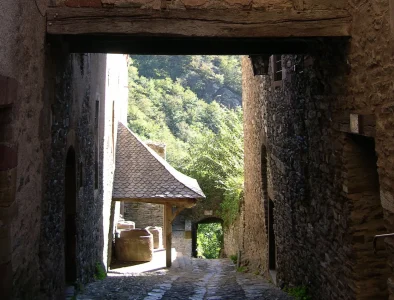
(225, 23)
(188, 46)
(168, 233)
(176, 213)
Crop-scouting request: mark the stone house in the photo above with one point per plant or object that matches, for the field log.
(143, 176)
(184, 226)
(55, 208)
(320, 152)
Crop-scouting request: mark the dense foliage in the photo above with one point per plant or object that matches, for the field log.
(210, 77)
(204, 138)
(209, 240)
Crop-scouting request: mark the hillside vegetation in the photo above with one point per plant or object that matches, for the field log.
(193, 105)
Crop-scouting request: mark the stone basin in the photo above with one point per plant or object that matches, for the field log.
(134, 245)
(157, 233)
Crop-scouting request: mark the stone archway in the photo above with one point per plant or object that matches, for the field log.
(195, 225)
(70, 228)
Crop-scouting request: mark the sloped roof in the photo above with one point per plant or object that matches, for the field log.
(140, 173)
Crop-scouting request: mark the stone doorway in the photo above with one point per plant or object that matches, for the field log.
(368, 271)
(70, 218)
(195, 230)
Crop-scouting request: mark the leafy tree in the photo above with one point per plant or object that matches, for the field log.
(216, 161)
(210, 77)
(204, 138)
(209, 240)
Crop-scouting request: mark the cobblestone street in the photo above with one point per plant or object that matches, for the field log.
(192, 279)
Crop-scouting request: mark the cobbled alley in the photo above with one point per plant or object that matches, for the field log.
(194, 279)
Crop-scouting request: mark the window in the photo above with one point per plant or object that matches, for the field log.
(113, 128)
(277, 63)
(96, 154)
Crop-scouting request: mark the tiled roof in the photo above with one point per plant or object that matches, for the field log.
(140, 173)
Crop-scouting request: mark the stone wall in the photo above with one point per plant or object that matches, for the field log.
(323, 222)
(76, 107)
(182, 239)
(22, 34)
(233, 236)
(88, 92)
(329, 198)
(254, 252)
(144, 214)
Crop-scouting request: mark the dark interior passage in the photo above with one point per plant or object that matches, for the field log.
(271, 237)
(70, 218)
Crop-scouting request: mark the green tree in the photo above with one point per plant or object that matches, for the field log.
(209, 240)
(211, 77)
(204, 138)
(216, 161)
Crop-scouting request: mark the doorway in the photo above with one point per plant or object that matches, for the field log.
(362, 187)
(70, 218)
(271, 241)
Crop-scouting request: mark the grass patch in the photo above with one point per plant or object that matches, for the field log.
(99, 273)
(298, 292)
(242, 269)
(234, 259)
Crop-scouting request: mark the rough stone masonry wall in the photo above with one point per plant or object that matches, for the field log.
(323, 230)
(313, 216)
(370, 89)
(254, 252)
(308, 157)
(144, 214)
(22, 35)
(77, 82)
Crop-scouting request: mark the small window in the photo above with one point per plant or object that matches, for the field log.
(277, 63)
(96, 154)
(80, 171)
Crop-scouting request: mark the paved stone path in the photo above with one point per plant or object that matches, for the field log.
(188, 279)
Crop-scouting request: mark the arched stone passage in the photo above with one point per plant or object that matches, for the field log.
(70, 228)
(207, 220)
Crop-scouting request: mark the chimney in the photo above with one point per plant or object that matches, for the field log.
(159, 148)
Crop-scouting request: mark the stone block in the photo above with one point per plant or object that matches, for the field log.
(125, 225)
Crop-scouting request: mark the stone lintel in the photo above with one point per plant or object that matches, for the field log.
(361, 124)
